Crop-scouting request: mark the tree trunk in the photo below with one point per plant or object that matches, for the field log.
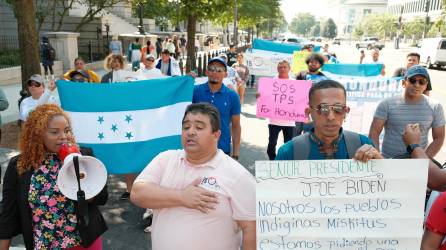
(191, 30)
(25, 12)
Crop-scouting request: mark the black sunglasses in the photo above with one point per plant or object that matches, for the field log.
(422, 81)
(35, 84)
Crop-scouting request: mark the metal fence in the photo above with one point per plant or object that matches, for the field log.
(9, 51)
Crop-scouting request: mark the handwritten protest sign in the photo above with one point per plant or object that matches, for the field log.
(299, 61)
(283, 99)
(340, 204)
(363, 96)
(265, 63)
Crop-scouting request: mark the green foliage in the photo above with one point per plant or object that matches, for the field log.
(380, 25)
(414, 28)
(316, 30)
(329, 29)
(302, 23)
(9, 58)
(358, 32)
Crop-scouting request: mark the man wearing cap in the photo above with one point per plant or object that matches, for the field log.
(412, 59)
(226, 101)
(168, 65)
(149, 71)
(79, 66)
(39, 96)
(412, 107)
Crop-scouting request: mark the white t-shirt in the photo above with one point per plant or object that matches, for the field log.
(123, 76)
(29, 104)
(144, 74)
(278, 122)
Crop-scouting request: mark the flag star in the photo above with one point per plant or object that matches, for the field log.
(128, 135)
(128, 118)
(100, 119)
(114, 127)
(101, 136)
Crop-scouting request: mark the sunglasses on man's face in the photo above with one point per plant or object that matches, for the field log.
(213, 69)
(324, 109)
(34, 84)
(421, 81)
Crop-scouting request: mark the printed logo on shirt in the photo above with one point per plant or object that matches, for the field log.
(211, 184)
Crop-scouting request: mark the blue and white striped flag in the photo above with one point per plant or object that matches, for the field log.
(127, 124)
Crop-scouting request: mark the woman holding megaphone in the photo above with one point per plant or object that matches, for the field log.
(33, 204)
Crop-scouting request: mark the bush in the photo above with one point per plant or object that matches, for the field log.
(9, 58)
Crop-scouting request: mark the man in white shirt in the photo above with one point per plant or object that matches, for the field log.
(149, 71)
(374, 59)
(39, 95)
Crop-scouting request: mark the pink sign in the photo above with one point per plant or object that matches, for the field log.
(283, 99)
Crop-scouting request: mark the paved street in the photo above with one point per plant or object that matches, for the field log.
(125, 220)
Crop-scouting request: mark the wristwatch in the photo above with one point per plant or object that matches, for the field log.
(411, 147)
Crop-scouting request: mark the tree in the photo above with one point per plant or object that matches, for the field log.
(414, 28)
(58, 10)
(302, 23)
(329, 29)
(381, 25)
(25, 12)
(358, 32)
(316, 30)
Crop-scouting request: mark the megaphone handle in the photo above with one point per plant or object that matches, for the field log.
(81, 202)
(76, 170)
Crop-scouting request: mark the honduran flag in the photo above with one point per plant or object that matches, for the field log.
(352, 69)
(127, 124)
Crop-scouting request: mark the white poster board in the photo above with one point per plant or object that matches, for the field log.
(340, 204)
(265, 63)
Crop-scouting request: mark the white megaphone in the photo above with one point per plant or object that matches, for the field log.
(92, 174)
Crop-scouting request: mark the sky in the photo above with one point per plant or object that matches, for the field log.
(292, 7)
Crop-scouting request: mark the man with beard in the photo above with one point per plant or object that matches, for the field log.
(315, 61)
(226, 101)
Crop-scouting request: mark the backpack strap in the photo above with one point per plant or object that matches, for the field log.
(352, 142)
(301, 147)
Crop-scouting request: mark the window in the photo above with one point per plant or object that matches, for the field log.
(365, 12)
(443, 44)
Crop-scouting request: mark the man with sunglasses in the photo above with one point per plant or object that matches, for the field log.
(412, 107)
(226, 101)
(39, 96)
(149, 71)
(327, 140)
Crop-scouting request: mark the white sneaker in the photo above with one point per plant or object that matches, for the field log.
(147, 213)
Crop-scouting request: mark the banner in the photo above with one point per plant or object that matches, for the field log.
(265, 64)
(280, 47)
(353, 69)
(127, 124)
(283, 99)
(363, 96)
(340, 204)
(299, 62)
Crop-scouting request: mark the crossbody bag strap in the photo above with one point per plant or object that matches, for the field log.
(82, 206)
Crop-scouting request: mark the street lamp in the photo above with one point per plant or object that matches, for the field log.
(400, 26)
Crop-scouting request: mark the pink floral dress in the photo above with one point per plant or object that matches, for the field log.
(54, 218)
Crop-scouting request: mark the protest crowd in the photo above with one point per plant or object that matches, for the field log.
(195, 192)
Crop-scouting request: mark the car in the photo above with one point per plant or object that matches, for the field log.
(433, 52)
(296, 40)
(337, 41)
(370, 43)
